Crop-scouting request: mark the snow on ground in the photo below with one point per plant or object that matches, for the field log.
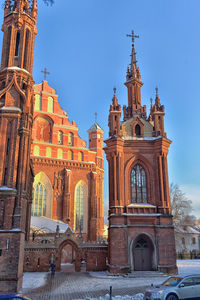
(38, 279)
(127, 297)
(34, 280)
(189, 266)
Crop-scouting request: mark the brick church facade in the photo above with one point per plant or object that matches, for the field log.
(16, 119)
(46, 170)
(141, 232)
(69, 177)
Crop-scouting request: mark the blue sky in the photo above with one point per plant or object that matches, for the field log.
(84, 46)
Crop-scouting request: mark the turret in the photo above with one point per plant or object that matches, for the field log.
(114, 117)
(96, 142)
(19, 34)
(157, 113)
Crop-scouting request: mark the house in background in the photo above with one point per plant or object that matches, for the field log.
(187, 239)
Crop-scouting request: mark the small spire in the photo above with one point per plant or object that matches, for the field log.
(133, 55)
(157, 101)
(151, 101)
(34, 9)
(156, 90)
(114, 100)
(7, 3)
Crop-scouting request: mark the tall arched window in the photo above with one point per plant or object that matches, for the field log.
(26, 56)
(37, 103)
(137, 130)
(80, 207)
(80, 156)
(138, 185)
(71, 139)
(48, 152)
(59, 154)
(50, 105)
(8, 36)
(36, 150)
(39, 200)
(17, 44)
(70, 155)
(60, 137)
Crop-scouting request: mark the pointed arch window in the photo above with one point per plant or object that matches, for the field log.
(39, 200)
(80, 207)
(8, 38)
(71, 139)
(70, 155)
(26, 49)
(60, 137)
(17, 44)
(50, 105)
(48, 152)
(80, 156)
(137, 130)
(36, 150)
(60, 154)
(37, 103)
(138, 185)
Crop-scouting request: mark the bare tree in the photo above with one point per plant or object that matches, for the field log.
(181, 206)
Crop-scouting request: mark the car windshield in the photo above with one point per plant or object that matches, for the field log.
(172, 281)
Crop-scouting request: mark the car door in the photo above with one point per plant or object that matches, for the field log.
(186, 288)
(197, 287)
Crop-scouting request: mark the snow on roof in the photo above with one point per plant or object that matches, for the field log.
(48, 225)
(187, 229)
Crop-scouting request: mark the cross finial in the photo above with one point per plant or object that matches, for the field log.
(151, 100)
(45, 73)
(133, 36)
(114, 89)
(156, 90)
(95, 116)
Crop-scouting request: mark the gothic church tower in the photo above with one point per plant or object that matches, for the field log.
(141, 233)
(16, 119)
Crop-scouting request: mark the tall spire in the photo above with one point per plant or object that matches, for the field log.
(133, 83)
(132, 71)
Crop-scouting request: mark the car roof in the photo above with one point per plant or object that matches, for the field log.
(185, 275)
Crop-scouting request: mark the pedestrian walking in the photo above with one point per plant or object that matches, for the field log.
(53, 269)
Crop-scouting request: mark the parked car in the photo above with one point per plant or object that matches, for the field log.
(13, 297)
(176, 287)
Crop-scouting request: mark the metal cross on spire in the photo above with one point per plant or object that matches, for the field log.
(115, 89)
(156, 90)
(95, 116)
(45, 73)
(133, 36)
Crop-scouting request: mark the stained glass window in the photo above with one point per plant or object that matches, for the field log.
(39, 200)
(138, 185)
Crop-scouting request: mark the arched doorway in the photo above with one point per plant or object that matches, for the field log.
(68, 256)
(143, 253)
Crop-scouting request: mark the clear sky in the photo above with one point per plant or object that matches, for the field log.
(84, 46)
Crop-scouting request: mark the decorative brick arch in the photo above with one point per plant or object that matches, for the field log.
(138, 122)
(141, 160)
(42, 128)
(75, 248)
(154, 249)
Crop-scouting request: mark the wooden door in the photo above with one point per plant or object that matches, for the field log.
(142, 254)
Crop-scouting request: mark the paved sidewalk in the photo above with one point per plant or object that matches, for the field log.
(81, 285)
